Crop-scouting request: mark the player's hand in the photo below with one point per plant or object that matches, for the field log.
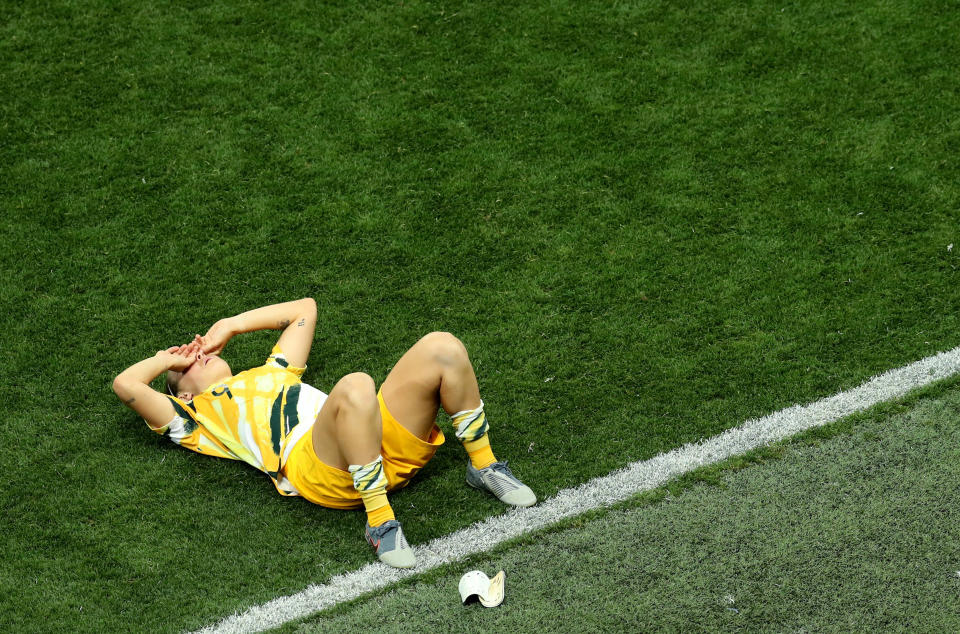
(216, 338)
(182, 357)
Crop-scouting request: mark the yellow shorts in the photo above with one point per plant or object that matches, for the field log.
(403, 456)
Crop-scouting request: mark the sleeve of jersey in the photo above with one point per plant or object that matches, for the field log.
(189, 434)
(278, 359)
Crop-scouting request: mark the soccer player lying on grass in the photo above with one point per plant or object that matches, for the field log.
(343, 450)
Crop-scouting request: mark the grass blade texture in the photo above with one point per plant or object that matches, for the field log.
(648, 221)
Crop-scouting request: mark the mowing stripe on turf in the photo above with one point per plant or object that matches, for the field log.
(603, 491)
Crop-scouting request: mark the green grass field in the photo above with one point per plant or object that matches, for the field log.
(648, 222)
(849, 529)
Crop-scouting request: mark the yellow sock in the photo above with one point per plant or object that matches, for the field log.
(481, 455)
(377, 515)
(370, 482)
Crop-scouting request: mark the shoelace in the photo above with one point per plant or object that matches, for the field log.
(379, 531)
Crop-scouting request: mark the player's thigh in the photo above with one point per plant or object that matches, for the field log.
(349, 420)
(411, 390)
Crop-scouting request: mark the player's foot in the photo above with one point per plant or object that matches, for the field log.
(499, 480)
(391, 545)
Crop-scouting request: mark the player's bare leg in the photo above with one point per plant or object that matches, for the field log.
(347, 435)
(348, 429)
(437, 372)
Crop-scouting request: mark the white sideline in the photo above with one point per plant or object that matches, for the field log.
(602, 491)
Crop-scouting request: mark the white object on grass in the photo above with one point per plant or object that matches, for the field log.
(477, 584)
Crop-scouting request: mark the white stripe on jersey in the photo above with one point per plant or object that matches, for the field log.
(308, 407)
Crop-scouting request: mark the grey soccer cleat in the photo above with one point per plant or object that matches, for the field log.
(391, 545)
(499, 480)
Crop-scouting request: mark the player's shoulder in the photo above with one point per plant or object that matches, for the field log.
(278, 359)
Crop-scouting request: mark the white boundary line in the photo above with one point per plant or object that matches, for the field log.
(603, 491)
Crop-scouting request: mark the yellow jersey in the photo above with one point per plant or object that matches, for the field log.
(256, 416)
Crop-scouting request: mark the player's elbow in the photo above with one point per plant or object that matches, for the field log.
(309, 308)
(120, 386)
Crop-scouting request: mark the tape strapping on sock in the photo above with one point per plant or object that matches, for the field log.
(369, 475)
(463, 424)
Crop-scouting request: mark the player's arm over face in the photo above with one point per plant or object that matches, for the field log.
(297, 319)
(132, 386)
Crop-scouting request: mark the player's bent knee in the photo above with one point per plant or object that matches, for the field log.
(445, 348)
(357, 391)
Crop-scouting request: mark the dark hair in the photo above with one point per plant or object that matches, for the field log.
(172, 385)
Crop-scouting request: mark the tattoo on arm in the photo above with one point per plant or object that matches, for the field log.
(284, 323)
(301, 322)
